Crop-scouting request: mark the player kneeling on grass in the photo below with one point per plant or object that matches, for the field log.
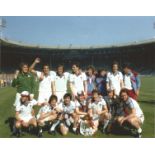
(81, 105)
(25, 116)
(133, 113)
(47, 114)
(98, 111)
(68, 115)
(112, 102)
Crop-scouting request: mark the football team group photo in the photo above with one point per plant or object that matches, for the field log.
(76, 91)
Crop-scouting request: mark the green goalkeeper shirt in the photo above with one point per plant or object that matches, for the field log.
(24, 82)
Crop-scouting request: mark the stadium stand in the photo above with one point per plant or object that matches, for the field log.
(141, 55)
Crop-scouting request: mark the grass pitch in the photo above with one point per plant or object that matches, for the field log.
(146, 101)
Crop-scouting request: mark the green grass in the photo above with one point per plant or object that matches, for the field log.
(146, 100)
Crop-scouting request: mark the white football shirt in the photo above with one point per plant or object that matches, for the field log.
(127, 82)
(25, 110)
(131, 103)
(114, 81)
(45, 84)
(78, 81)
(61, 82)
(68, 109)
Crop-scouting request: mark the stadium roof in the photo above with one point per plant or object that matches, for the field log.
(11, 43)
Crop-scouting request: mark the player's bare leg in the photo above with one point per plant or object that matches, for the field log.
(119, 119)
(104, 119)
(18, 126)
(33, 122)
(25, 124)
(41, 123)
(76, 122)
(63, 129)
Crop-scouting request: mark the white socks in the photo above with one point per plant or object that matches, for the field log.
(54, 125)
(139, 130)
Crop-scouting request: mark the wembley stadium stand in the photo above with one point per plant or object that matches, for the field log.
(141, 55)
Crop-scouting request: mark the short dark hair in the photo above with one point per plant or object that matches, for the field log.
(91, 67)
(126, 65)
(100, 70)
(95, 91)
(46, 65)
(124, 90)
(115, 63)
(67, 95)
(60, 65)
(53, 97)
(76, 64)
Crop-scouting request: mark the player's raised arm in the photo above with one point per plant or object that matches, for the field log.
(14, 82)
(36, 61)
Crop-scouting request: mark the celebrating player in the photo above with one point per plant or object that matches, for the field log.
(133, 113)
(45, 81)
(115, 79)
(98, 111)
(101, 81)
(25, 115)
(81, 105)
(47, 114)
(69, 115)
(78, 81)
(131, 82)
(91, 85)
(60, 83)
(23, 81)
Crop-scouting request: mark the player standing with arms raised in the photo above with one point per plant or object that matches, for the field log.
(45, 81)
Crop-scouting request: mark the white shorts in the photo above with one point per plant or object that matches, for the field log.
(17, 100)
(26, 118)
(60, 95)
(38, 116)
(141, 119)
(43, 97)
(117, 91)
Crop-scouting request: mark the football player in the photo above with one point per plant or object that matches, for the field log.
(133, 113)
(68, 116)
(47, 114)
(60, 82)
(78, 81)
(25, 116)
(115, 79)
(23, 81)
(98, 111)
(46, 78)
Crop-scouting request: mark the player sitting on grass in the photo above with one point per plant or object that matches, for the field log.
(133, 113)
(81, 105)
(68, 115)
(98, 111)
(25, 116)
(47, 114)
